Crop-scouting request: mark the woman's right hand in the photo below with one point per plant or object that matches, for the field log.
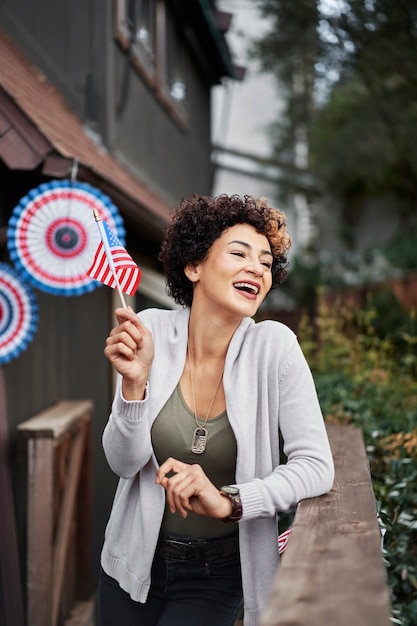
(129, 348)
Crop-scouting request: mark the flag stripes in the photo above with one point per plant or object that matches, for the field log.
(128, 273)
(283, 540)
(111, 258)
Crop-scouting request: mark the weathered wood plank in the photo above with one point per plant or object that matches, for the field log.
(332, 571)
(57, 421)
(83, 521)
(83, 614)
(40, 530)
(66, 521)
(56, 446)
(9, 554)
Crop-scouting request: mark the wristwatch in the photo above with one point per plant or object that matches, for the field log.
(228, 491)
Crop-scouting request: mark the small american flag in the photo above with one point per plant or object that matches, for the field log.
(283, 540)
(110, 258)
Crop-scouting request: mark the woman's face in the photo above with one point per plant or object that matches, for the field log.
(236, 275)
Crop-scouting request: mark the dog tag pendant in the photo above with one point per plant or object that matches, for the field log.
(199, 442)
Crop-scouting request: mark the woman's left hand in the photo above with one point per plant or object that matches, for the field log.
(188, 489)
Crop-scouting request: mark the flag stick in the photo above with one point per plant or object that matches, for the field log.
(109, 256)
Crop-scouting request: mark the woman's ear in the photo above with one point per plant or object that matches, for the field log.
(192, 273)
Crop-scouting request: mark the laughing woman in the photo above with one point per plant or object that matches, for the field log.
(202, 396)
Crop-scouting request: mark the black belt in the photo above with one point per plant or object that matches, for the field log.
(179, 548)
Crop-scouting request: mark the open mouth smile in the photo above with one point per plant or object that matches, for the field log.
(249, 288)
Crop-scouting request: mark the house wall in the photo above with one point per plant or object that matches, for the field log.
(155, 148)
(60, 38)
(64, 360)
(73, 44)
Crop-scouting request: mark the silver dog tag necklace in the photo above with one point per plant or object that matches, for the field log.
(200, 434)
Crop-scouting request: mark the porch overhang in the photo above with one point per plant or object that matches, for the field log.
(39, 131)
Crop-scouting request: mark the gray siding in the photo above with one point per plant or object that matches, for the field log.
(176, 161)
(73, 44)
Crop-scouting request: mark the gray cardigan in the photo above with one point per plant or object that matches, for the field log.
(268, 386)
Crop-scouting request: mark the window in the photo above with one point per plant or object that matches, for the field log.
(148, 29)
(143, 23)
(175, 52)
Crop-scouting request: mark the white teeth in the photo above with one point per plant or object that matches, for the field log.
(247, 287)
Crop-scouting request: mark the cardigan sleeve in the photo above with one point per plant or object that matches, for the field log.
(309, 470)
(126, 437)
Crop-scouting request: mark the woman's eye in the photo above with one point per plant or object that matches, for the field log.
(238, 253)
(267, 264)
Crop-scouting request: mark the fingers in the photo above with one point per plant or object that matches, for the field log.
(129, 315)
(126, 338)
(188, 488)
(129, 348)
(182, 483)
(125, 341)
(170, 466)
(123, 315)
(129, 324)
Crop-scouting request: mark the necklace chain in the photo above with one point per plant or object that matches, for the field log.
(192, 391)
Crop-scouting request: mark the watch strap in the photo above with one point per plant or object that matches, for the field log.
(234, 496)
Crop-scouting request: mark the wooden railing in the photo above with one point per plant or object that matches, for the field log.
(332, 572)
(57, 448)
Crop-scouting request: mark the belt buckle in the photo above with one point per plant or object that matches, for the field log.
(177, 550)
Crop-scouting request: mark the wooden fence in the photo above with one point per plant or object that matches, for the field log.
(57, 448)
(404, 289)
(332, 571)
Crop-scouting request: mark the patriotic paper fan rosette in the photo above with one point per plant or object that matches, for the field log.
(52, 235)
(18, 314)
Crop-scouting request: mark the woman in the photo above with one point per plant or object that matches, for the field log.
(202, 395)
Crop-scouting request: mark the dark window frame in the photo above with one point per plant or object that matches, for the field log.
(151, 64)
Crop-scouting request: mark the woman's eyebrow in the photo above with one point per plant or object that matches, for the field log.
(248, 245)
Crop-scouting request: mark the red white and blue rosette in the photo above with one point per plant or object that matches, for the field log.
(52, 235)
(18, 314)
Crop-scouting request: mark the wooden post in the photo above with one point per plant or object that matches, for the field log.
(84, 516)
(332, 571)
(65, 522)
(57, 438)
(9, 555)
(40, 515)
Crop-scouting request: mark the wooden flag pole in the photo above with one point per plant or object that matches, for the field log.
(109, 256)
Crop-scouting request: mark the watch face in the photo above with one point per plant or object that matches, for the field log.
(229, 489)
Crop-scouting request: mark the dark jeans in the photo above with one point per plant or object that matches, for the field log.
(181, 594)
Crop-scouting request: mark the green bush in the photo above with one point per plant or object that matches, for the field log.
(369, 379)
(401, 252)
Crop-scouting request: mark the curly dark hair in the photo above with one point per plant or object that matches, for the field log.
(199, 220)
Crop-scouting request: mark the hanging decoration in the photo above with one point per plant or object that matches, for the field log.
(52, 235)
(18, 314)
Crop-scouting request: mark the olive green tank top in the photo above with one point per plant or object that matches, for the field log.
(172, 434)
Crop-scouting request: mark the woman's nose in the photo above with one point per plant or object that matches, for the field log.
(256, 267)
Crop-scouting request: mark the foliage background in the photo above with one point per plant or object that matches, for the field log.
(368, 377)
(347, 70)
